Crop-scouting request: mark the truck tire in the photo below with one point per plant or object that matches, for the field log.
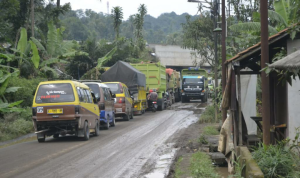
(182, 99)
(125, 117)
(131, 115)
(113, 123)
(106, 127)
(41, 140)
(160, 104)
(86, 131)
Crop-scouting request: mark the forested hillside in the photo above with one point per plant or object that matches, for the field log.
(82, 24)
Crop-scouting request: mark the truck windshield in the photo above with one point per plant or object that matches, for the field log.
(192, 80)
(114, 87)
(95, 89)
(55, 93)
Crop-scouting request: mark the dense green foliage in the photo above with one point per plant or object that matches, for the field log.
(80, 25)
(277, 161)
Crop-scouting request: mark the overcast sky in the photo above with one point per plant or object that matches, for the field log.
(154, 7)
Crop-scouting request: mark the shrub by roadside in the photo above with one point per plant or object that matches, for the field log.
(210, 130)
(26, 92)
(13, 125)
(208, 116)
(277, 161)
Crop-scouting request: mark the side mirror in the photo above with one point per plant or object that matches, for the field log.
(113, 95)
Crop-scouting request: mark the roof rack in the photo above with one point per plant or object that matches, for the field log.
(90, 81)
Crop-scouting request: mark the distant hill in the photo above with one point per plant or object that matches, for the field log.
(81, 25)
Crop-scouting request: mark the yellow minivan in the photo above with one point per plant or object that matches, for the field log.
(64, 107)
(123, 102)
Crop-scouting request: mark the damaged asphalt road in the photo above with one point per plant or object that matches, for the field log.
(137, 148)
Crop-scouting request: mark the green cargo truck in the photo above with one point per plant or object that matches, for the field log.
(155, 79)
(194, 84)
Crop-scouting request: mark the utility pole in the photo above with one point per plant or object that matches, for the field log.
(216, 58)
(224, 112)
(264, 78)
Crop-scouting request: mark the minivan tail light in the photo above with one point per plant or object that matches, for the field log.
(121, 100)
(34, 111)
(77, 109)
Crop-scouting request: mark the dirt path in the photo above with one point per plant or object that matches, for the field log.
(131, 149)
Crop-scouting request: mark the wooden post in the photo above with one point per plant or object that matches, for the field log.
(265, 86)
(240, 108)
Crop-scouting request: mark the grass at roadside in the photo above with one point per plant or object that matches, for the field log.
(201, 166)
(178, 171)
(208, 116)
(13, 125)
(210, 130)
(277, 161)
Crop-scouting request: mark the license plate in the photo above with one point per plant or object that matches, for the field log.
(55, 111)
(118, 109)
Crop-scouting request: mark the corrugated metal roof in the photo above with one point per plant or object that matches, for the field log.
(256, 47)
(289, 62)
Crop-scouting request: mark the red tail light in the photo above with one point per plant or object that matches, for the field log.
(154, 102)
(121, 100)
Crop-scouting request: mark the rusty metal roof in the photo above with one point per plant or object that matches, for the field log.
(255, 48)
(290, 62)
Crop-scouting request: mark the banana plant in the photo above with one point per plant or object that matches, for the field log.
(5, 76)
(285, 14)
(55, 50)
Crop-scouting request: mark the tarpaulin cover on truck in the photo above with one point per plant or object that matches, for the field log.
(125, 73)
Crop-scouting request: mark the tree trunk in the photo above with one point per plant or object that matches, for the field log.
(58, 3)
(32, 18)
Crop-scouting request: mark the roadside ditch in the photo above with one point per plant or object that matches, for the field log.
(179, 158)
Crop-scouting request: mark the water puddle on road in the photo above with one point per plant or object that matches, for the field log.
(163, 163)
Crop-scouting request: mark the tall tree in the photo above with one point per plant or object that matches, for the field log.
(117, 15)
(139, 26)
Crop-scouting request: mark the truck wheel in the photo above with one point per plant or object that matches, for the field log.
(203, 99)
(131, 115)
(125, 118)
(106, 127)
(55, 135)
(182, 99)
(162, 107)
(86, 131)
(40, 140)
(113, 123)
(97, 131)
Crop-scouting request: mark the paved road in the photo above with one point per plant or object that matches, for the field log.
(118, 152)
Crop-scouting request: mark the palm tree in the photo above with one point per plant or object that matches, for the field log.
(138, 21)
(117, 15)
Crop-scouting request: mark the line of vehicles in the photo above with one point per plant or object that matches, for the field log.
(83, 107)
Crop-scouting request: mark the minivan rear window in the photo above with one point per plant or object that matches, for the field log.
(115, 88)
(95, 89)
(55, 93)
